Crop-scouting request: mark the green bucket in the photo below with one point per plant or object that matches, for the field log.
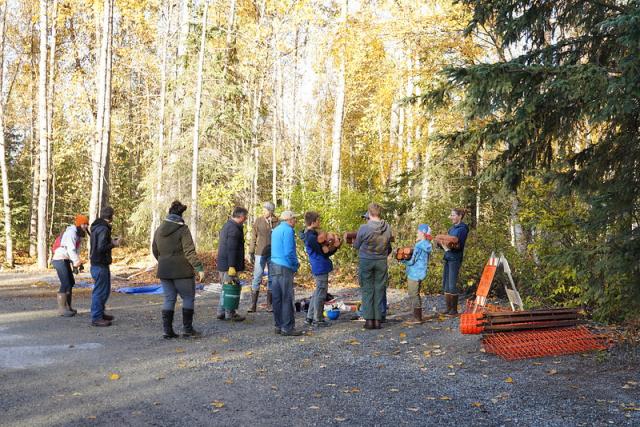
(230, 296)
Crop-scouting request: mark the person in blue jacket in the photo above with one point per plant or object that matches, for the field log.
(284, 264)
(321, 266)
(417, 268)
(453, 260)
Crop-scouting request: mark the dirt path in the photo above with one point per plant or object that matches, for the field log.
(56, 371)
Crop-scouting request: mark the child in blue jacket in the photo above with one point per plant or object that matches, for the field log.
(321, 266)
(417, 268)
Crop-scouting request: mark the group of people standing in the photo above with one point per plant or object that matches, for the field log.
(272, 251)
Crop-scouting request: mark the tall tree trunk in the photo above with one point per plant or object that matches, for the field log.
(6, 201)
(196, 125)
(274, 126)
(157, 193)
(35, 165)
(101, 144)
(338, 114)
(105, 179)
(43, 192)
(50, 100)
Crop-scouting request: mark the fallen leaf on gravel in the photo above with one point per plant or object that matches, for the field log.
(340, 419)
(91, 417)
(314, 407)
(156, 403)
(179, 350)
(450, 366)
(114, 377)
(632, 382)
(430, 398)
(273, 387)
(445, 398)
(248, 353)
(403, 335)
(394, 390)
(160, 377)
(626, 386)
(476, 404)
(225, 340)
(552, 372)
(316, 395)
(217, 404)
(538, 363)
(352, 390)
(436, 346)
(452, 374)
(508, 380)
(413, 409)
(331, 385)
(376, 353)
(76, 394)
(426, 353)
(353, 342)
(228, 381)
(215, 359)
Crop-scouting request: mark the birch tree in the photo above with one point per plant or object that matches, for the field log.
(196, 125)
(43, 191)
(338, 114)
(6, 201)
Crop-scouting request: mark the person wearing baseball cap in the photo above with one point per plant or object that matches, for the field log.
(260, 253)
(284, 264)
(417, 268)
(66, 260)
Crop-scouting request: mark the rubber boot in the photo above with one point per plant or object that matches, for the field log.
(69, 299)
(235, 317)
(377, 324)
(187, 324)
(63, 310)
(167, 324)
(447, 298)
(254, 302)
(269, 302)
(454, 305)
(369, 324)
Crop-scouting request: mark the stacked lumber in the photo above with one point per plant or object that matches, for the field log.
(508, 321)
(446, 241)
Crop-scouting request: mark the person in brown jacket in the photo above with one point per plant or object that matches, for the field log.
(260, 253)
(178, 265)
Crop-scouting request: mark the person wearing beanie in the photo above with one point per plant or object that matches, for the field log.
(178, 264)
(260, 253)
(100, 256)
(417, 268)
(66, 261)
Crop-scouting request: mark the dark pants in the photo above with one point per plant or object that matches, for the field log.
(282, 297)
(101, 289)
(450, 276)
(374, 276)
(65, 274)
(186, 288)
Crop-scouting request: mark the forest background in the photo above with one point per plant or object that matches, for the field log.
(525, 113)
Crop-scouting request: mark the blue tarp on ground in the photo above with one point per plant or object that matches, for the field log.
(148, 290)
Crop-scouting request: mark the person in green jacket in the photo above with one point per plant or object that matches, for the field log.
(175, 251)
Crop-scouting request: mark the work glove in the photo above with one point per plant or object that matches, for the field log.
(232, 271)
(200, 276)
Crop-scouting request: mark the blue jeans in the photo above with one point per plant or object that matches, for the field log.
(63, 268)
(258, 270)
(282, 295)
(186, 288)
(101, 289)
(450, 276)
(316, 305)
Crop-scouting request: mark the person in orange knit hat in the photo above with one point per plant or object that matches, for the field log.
(66, 261)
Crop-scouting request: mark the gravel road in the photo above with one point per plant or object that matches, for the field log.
(62, 372)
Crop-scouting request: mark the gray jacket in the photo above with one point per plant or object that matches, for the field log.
(373, 240)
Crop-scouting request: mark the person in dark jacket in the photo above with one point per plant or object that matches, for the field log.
(453, 261)
(175, 251)
(260, 253)
(321, 266)
(373, 242)
(231, 257)
(100, 257)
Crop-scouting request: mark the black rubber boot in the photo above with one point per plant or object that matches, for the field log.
(369, 324)
(254, 302)
(377, 324)
(69, 299)
(453, 311)
(447, 298)
(187, 323)
(269, 302)
(167, 324)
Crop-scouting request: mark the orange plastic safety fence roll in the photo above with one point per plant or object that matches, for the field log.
(542, 343)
